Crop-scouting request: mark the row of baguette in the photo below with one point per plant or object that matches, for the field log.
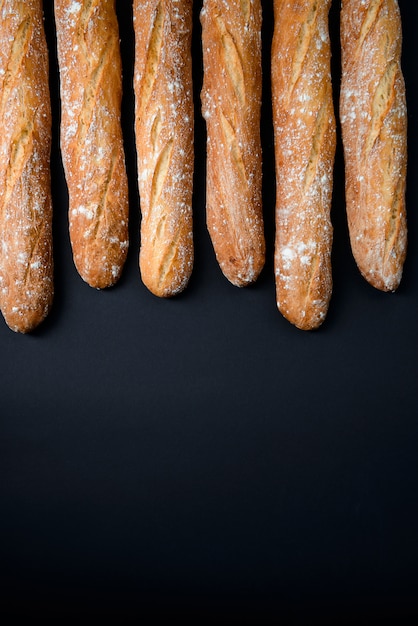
(373, 123)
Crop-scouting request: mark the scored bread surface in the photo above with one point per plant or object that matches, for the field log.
(231, 106)
(305, 140)
(374, 126)
(91, 137)
(26, 263)
(164, 125)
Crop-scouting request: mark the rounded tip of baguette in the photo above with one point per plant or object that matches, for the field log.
(383, 283)
(166, 288)
(386, 279)
(24, 320)
(242, 272)
(310, 319)
(102, 278)
(99, 282)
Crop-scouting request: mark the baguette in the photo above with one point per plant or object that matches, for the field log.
(91, 137)
(26, 263)
(374, 126)
(164, 124)
(305, 142)
(231, 106)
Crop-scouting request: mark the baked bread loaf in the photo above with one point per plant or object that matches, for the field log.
(26, 263)
(91, 137)
(231, 106)
(374, 126)
(164, 126)
(305, 140)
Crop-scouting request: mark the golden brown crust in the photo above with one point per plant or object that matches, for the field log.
(231, 106)
(164, 122)
(91, 137)
(304, 130)
(26, 264)
(374, 121)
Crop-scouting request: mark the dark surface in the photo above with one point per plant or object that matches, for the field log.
(200, 457)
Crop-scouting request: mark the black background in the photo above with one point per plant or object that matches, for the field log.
(199, 456)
